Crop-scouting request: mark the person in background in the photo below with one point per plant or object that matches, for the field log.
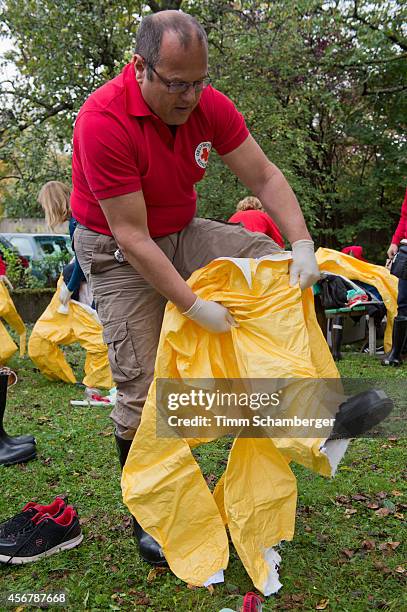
(253, 217)
(54, 198)
(400, 321)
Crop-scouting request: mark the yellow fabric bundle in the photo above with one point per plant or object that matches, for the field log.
(78, 325)
(9, 313)
(278, 337)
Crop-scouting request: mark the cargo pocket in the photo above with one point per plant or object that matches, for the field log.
(122, 354)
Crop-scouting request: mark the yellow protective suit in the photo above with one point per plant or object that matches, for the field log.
(9, 313)
(79, 325)
(278, 337)
(335, 262)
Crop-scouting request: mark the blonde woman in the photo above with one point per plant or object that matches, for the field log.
(54, 198)
(250, 213)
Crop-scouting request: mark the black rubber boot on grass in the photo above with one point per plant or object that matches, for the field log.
(149, 549)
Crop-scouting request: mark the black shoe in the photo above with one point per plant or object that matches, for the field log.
(360, 413)
(10, 454)
(44, 537)
(18, 440)
(7, 378)
(149, 549)
(20, 521)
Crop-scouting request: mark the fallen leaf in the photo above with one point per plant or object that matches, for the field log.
(114, 569)
(399, 515)
(142, 601)
(298, 597)
(389, 545)
(368, 544)
(393, 439)
(156, 571)
(347, 552)
(350, 511)
(397, 493)
(106, 432)
(382, 512)
(322, 605)
(372, 505)
(342, 499)
(400, 569)
(359, 497)
(382, 567)
(210, 479)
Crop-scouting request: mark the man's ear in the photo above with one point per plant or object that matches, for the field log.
(139, 67)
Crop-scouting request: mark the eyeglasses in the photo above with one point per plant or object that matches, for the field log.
(177, 87)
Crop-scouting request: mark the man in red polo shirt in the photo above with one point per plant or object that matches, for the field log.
(141, 143)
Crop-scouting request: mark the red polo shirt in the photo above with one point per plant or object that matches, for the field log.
(121, 146)
(401, 231)
(258, 221)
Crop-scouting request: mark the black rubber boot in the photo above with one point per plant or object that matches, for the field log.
(10, 440)
(336, 337)
(149, 549)
(10, 454)
(399, 337)
(360, 413)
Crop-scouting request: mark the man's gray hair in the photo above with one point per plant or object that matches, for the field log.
(151, 29)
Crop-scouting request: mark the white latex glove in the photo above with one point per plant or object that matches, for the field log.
(211, 316)
(64, 294)
(304, 268)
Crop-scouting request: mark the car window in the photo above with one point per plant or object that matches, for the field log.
(52, 244)
(23, 245)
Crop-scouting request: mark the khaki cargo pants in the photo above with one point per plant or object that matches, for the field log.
(131, 311)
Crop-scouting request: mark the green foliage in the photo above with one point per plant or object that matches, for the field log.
(40, 273)
(46, 271)
(320, 84)
(15, 271)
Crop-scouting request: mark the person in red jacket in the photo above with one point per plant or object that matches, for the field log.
(400, 322)
(251, 214)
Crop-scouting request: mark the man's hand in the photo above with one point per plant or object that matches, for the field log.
(304, 268)
(392, 250)
(64, 294)
(211, 316)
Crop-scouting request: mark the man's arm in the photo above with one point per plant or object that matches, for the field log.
(249, 163)
(127, 219)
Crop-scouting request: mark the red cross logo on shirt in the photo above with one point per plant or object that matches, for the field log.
(205, 155)
(202, 154)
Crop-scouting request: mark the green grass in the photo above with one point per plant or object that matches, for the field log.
(337, 554)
